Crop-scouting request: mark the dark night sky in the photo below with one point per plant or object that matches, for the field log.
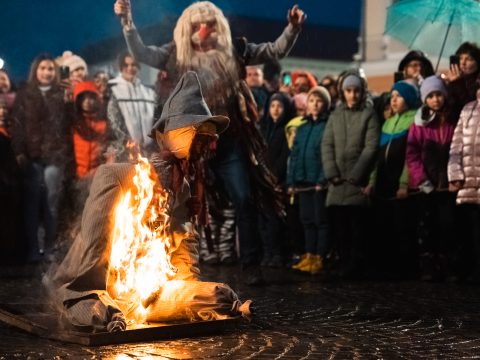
(31, 27)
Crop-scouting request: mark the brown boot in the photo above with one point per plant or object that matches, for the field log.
(316, 265)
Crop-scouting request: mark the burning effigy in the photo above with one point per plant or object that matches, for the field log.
(135, 259)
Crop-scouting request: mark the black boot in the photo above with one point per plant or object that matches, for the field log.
(252, 275)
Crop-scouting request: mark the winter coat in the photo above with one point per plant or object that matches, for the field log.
(131, 113)
(40, 131)
(305, 164)
(349, 146)
(274, 135)
(90, 134)
(462, 91)
(90, 141)
(464, 163)
(428, 148)
(391, 172)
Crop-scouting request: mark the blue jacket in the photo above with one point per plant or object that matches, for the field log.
(305, 164)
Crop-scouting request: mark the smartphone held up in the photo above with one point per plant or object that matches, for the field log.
(64, 72)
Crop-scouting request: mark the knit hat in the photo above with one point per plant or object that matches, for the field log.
(300, 101)
(323, 93)
(73, 61)
(352, 81)
(431, 84)
(186, 107)
(408, 92)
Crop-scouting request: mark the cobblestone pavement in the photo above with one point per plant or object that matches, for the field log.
(298, 317)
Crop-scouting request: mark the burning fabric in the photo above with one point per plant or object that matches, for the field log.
(136, 257)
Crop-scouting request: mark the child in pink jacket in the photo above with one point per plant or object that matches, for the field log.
(428, 146)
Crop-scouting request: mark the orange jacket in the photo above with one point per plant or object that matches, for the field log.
(89, 135)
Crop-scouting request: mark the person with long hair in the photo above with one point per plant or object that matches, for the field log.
(39, 138)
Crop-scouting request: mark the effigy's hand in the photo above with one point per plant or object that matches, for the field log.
(117, 323)
(296, 16)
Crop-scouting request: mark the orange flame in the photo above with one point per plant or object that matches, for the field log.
(140, 260)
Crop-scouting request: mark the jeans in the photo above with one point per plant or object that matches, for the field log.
(313, 215)
(42, 188)
(230, 165)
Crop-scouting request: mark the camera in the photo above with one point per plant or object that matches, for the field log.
(64, 72)
(454, 60)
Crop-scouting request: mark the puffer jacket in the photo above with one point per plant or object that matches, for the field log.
(349, 146)
(428, 146)
(464, 162)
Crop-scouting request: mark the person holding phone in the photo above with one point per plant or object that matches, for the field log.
(463, 78)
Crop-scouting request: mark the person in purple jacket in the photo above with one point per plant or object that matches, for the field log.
(428, 146)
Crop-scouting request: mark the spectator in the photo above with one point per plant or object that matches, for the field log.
(131, 108)
(272, 129)
(101, 79)
(330, 83)
(306, 176)
(463, 175)
(271, 75)
(78, 69)
(302, 81)
(90, 130)
(463, 80)
(254, 80)
(10, 244)
(415, 66)
(300, 103)
(349, 147)
(40, 144)
(395, 254)
(428, 148)
(383, 106)
(6, 89)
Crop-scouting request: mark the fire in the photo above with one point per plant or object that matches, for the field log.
(140, 261)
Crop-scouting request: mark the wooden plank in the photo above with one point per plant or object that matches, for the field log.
(146, 334)
(22, 323)
(150, 332)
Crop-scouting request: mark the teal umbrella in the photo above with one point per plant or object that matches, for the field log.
(436, 27)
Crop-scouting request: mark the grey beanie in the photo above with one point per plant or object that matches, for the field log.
(323, 93)
(352, 81)
(431, 84)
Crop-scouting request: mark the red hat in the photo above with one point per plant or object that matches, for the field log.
(85, 86)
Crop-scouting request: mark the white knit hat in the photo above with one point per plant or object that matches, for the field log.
(73, 61)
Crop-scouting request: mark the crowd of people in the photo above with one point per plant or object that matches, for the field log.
(379, 185)
(370, 184)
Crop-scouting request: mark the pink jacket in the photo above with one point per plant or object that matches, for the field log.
(428, 148)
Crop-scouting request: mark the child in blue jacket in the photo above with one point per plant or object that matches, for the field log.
(305, 176)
